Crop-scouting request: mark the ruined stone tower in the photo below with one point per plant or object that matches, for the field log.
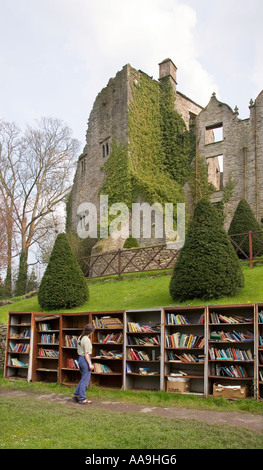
(232, 148)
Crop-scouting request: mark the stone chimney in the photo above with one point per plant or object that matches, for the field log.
(168, 69)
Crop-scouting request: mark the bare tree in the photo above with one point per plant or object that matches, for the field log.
(42, 177)
(9, 162)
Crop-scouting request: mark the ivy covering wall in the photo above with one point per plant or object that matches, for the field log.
(156, 163)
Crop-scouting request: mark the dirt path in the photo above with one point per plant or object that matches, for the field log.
(245, 420)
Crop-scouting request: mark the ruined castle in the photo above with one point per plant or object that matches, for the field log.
(232, 148)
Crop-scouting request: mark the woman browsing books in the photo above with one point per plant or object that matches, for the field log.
(85, 366)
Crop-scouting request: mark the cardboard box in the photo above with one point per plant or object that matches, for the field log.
(230, 391)
(178, 386)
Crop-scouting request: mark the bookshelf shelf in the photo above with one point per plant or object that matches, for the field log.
(259, 340)
(231, 346)
(107, 356)
(46, 348)
(143, 365)
(19, 346)
(185, 349)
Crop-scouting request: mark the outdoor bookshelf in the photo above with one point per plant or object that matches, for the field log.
(46, 348)
(19, 342)
(231, 346)
(260, 350)
(143, 345)
(143, 349)
(107, 355)
(71, 327)
(185, 349)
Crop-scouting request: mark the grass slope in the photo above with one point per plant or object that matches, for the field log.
(145, 292)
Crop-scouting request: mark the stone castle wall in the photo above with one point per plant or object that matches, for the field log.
(237, 150)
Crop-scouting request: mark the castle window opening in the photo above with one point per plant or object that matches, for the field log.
(107, 148)
(216, 171)
(214, 133)
(83, 165)
(103, 150)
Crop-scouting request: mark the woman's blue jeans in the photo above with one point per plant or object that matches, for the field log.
(85, 378)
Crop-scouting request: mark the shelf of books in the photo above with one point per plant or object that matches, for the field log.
(260, 350)
(107, 346)
(71, 327)
(231, 347)
(46, 348)
(184, 356)
(143, 343)
(18, 358)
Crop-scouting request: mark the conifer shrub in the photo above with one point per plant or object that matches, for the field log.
(131, 242)
(63, 285)
(207, 266)
(243, 221)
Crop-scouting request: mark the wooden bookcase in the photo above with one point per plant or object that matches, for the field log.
(232, 346)
(185, 349)
(133, 349)
(46, 348)
(71, 327)
(260, 350)
(19, 341)
(143, 346)
(107, 342)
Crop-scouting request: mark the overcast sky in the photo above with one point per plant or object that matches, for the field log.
(56, 55)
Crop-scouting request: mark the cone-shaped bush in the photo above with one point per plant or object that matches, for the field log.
(63, 285)
(207, 266)
(243, 221)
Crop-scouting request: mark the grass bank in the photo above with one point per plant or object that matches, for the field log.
(145, 292)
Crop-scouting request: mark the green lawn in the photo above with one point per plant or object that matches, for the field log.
(145, 292)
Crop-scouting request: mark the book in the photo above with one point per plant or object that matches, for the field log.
(48, 353)
(107, 322)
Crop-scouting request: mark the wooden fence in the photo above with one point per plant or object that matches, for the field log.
(131, 260)
(158, 257)
(255, 245)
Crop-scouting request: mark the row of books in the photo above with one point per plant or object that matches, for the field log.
(44, 327)
(230, 371)
(15, 362)
(49, 339)
(108, 354)
(71, 341)
(47, 353)
(185, 357)
(260, 315)
(178, 340)
(101, 368)
(219, 318)
(146, 340)
(260, 356)
(231, 354)
(139, 328)
(72, 363)
(231, 336)
(22, 335)
(19, 347)
(107, 322)
(260, 375)
(116, 338)
(141, 355)
(178, 319)
(261, 340)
